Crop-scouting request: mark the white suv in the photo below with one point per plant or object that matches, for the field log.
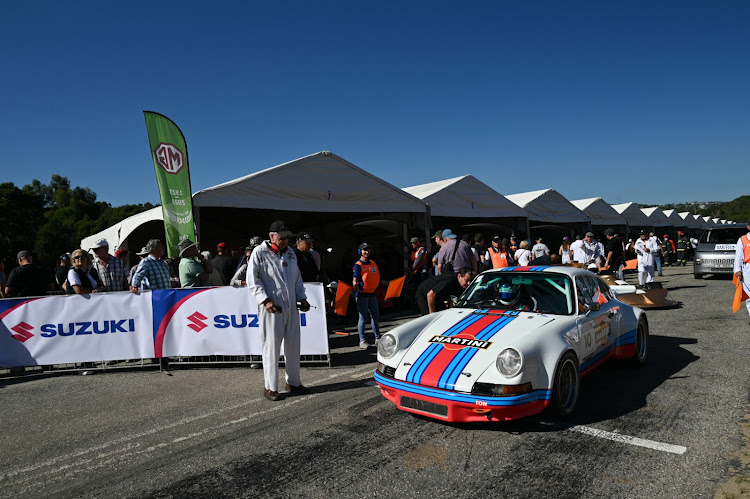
(715, 251)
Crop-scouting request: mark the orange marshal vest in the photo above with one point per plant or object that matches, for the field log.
(370, 276)
(499, 260)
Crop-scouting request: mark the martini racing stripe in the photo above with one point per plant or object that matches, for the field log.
(439, 357)
(532, 268)
(430, 352)
(434, 393)
(455, 368)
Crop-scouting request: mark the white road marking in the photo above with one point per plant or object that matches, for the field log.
(98, 449)
(625, 439)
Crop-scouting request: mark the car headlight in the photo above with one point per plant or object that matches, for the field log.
(387, 345)
(509, 362)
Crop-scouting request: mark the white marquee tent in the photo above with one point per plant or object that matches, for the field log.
(657, 217)
(602, 214)
(550, 212)
(117, 235)
(637, 220)
(467, 202)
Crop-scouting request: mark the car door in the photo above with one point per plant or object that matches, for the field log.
(595, 312)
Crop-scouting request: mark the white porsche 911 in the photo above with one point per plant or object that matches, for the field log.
(517, 341)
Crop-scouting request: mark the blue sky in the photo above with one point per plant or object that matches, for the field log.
(629, 101)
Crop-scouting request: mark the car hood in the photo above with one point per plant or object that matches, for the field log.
(459, 345)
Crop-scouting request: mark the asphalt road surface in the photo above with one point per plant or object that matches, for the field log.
(673, 428)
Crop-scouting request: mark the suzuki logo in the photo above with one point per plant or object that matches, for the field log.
(22, 331)
(197, 322)
(169, 157)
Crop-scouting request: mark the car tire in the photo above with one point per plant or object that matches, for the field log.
(641, 343)
(566, 387)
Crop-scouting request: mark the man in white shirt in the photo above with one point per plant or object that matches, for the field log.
(645, 248)
(577, 250)
(591, 248)
(742, 262)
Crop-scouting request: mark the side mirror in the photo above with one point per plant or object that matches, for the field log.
(592, 307)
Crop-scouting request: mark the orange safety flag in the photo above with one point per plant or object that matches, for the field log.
(343, 292)
(394, 288)
(739, 294)
(631, 265)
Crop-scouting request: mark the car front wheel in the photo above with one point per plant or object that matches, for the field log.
(566, 387)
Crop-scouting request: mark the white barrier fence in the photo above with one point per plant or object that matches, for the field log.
(162, 323)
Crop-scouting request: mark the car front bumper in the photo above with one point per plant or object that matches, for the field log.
(453, 406)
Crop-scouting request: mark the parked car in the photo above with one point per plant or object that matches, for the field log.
(517, 341)
(715, 251)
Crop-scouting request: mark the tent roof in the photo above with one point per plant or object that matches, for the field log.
(320, 182)
(600, 212)
(635, 217)
(116, 234)
(465, 197)
(689, 219)
(676, 219)
(701, 221)
(657, 217)
(548, 205)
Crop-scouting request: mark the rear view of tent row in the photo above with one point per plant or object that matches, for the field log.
(342, 205)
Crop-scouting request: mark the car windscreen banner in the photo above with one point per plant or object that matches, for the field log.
(170, 157)
(170, 322)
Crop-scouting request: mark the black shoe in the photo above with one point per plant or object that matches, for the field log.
(272, 396)
(297, 390)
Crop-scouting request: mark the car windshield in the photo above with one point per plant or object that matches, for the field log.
(728, 235)
(526, 291)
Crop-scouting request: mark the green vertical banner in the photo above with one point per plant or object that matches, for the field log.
(169, 153)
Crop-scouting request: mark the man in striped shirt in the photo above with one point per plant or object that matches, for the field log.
(152, 268)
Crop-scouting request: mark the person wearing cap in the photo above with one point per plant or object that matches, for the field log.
(683, 244)
(645, 249)
(418, 257)
(61, 272)
(307, 266)
(141, 255)
(614, 253)
(498, 255)
(591, 249)
(152, 268)
(222, 263)
(456, 253)
(122, 254)
(194, 270)
(564, 252)
(111, 270)
(365, 281)
(28, 279)
(742, 262)
(539, 249)
(274, 279)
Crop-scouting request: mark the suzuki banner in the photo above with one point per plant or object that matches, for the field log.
(169, 322)
(75, 328)
(169, 154)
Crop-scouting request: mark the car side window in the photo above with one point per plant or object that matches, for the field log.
(585, 294)
(604, 289)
